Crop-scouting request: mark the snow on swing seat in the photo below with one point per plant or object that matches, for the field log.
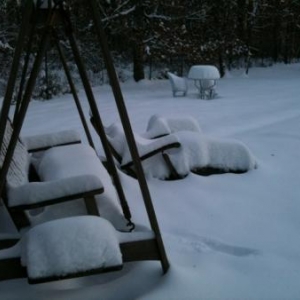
(70, 247)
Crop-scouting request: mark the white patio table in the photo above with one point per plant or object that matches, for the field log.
(205, 78)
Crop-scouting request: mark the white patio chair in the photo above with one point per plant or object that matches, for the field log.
(178, 84)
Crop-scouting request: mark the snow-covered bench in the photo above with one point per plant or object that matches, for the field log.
(67, 246)
(73, 247)
(150, 151)
(22, 194)
(199, 153)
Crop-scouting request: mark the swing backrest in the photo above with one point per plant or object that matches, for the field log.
(19, 167)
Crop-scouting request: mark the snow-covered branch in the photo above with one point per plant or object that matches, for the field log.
(120, 14)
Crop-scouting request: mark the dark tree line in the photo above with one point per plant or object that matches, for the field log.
(175, 34)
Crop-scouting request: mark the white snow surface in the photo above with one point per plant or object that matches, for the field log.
(67, 246)
(229, 236)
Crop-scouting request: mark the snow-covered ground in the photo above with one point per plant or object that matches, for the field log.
(229, 236)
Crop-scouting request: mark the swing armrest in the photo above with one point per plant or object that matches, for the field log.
(37, 194)
(43, 142)
(148, 148)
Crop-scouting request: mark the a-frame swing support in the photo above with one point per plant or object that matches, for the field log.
(57, 11)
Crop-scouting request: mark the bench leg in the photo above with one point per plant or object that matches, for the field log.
(173, 172)
(91, 206)
(19, 218)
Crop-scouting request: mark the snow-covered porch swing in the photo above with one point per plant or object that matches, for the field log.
(85, 233)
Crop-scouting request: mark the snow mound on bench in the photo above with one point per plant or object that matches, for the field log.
(200, 151)
(159, 125)
(71, 245)
(61, 163)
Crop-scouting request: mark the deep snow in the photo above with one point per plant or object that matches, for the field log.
(229, 236)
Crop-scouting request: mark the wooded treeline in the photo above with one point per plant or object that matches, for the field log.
(150, 36)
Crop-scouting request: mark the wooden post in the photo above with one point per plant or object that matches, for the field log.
(73, 90)
(128, 133)
(26, 98)
(14, 69)
(96, 115)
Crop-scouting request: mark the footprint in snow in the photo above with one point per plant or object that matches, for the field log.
(203, 244)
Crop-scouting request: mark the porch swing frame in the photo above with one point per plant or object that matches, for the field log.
(149, 249)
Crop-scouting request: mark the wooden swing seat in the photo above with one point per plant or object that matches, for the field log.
(14, 173)
(134, 246)
(140, 245)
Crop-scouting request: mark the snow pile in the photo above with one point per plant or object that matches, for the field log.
(192, 153)
(230, 155)
(162, 125)
(67, 161)
(71, 245)
(198, 151)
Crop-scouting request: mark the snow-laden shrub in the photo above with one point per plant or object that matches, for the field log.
(52, 84)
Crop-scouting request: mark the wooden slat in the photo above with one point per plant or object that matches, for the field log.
(11, 268)
(74, 275)
(46, 148)
(91, 206)
(58, 200)
(131, 251)
(6, 243)
(152, 153)
(140, 250)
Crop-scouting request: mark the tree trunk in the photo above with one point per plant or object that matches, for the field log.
(138, 66)
(221, 63)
